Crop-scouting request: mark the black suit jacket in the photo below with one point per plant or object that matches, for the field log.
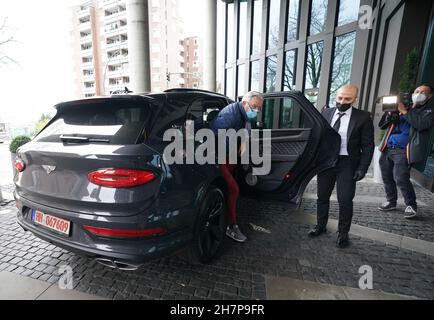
(360, 141)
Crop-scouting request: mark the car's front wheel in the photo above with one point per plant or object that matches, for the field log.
(210, 227)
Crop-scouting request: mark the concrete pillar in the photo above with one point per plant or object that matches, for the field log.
(209, 45)
(138, 45)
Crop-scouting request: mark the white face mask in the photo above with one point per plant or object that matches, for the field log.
(418, 98)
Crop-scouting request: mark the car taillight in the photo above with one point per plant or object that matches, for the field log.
(120, 178)
(125, 233)
(19, 165)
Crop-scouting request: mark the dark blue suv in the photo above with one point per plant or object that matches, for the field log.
(94, 180)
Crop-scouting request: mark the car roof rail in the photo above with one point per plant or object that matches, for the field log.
(193, 90)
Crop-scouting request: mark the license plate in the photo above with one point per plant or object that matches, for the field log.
(51, 222)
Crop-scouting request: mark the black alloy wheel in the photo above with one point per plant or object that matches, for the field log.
(211, 226)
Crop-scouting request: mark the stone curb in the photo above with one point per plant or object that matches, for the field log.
(402, 242)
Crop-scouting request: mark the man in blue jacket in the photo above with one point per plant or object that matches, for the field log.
(236, 116)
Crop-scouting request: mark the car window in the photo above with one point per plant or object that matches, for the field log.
(203, 110)
(170, 116)
(284, 113)
(116, 122)
(195, 113)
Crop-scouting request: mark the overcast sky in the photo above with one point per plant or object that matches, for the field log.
(44, 73)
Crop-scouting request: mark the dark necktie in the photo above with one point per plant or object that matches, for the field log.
(337, 124)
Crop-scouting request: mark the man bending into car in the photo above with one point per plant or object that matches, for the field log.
(236, 116)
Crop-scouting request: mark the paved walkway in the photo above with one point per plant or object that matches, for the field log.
(278, 261)
(368, 196)
(16, 287)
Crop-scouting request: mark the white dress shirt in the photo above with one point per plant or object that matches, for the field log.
(343, 129)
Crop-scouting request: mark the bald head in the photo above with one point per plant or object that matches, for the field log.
(425, 89)
(347, 94)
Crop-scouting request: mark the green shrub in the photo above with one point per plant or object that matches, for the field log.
(18, 142)
(409, 71)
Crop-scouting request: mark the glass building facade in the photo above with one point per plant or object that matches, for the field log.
(317, 46)
(288, 45)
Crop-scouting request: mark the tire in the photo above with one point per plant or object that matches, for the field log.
(210, 228)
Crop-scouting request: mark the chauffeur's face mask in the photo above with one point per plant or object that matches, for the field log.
(342, 107)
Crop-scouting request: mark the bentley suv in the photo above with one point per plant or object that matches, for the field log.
(94, 180)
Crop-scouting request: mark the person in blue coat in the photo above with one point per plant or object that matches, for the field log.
(236, 116)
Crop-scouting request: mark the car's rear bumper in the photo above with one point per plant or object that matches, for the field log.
(80, 241)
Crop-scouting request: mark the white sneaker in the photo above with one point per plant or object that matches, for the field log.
(235, 233)
(410, 212)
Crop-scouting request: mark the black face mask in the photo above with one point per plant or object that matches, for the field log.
(343, 107)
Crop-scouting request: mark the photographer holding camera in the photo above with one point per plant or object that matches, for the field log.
(404, 144)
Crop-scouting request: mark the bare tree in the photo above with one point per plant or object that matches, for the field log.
(343, 53)
(342, 63)
(5, 40)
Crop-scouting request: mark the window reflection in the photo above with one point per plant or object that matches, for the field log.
(313, 70)
(342, 62)
(268, 113)
(273, 25)
(289, 72)
(291, 115)
(243, 30)
(348, 11)
(254, 76)
(241, 80)
(257, 26)
(429, 167)
(293, 20)
(318, 15)
(271, 74)
(230, 33)
(230, 83)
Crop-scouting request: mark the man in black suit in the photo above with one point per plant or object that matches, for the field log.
(357, 147)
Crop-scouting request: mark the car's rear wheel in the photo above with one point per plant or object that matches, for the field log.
(210, 227)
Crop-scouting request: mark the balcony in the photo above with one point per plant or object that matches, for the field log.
(112, 32)
(89, 90)
(86, 52)
(86, 39)
(89, 77)
(120, 86)
(117, 45)
(116, 60)
(118, 72)
(115, 16)
(84, 26)
(83, 12)
(86, 65)
(110, 3)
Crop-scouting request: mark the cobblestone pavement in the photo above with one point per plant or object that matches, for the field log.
(239, 273)
(366, 213)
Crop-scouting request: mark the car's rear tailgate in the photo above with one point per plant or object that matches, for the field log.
(56, 175)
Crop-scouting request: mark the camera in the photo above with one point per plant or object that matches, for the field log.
(390, 103)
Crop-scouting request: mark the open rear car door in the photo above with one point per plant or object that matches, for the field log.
(302, 145)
